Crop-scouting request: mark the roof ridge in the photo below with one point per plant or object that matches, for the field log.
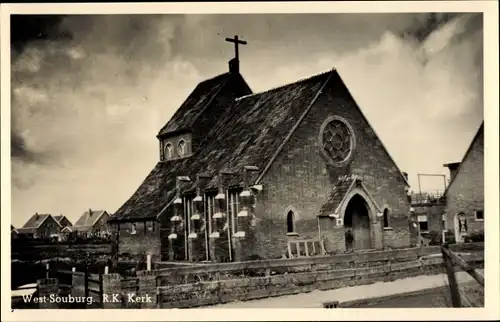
(466, 154)
(301, 80)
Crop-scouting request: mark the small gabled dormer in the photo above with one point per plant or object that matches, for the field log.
(176, 146)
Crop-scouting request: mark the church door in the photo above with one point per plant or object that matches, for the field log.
(460, 227)
(357, 221)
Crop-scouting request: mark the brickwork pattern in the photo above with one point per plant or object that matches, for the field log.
(466, 192)
(301, 176)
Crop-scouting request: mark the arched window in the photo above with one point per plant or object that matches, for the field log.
(181, 147)
(386, 218)
(290, 222)
(168, 151)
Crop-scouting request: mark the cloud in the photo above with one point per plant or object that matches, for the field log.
(86, 107)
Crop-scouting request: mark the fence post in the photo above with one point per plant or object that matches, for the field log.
(47, 270)
(452, 281)
(101, 291)
(148, 263)
(86, 281)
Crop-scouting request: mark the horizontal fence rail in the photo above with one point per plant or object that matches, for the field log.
(459, 298)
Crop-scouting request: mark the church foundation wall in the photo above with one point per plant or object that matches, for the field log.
(143, 242)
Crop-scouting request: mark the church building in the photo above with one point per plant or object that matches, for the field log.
(292, 171)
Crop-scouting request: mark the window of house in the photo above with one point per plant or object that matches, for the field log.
(133, 229)
(443, 218)
(234, 208)
(386, 218)
(181, 147)
(168, 151)
(423, 223)
(290, 222)
(150, 225)
(479, 215)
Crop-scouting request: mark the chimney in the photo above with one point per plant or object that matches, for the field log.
(453, 167)
(234, 66)
(405, 174)
(90, 212)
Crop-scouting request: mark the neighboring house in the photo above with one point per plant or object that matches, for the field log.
(92, 223)
(245, 175)
(63, 221)
(65, 233)
(40, 226)
(465, 192)
(13, 232)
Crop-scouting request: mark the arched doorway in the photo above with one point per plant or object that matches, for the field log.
(460, 227)
(357, 221)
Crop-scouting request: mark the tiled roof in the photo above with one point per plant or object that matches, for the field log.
(248, 133)
(336, 196)
(26, 230)
(59, 218)
(189, 111)
(35, 220)
(88, 218)
(478, 136)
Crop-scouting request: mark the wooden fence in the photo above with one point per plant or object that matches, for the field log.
(451, 260)
(94, 287)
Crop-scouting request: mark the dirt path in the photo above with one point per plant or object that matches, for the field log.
(315, 299)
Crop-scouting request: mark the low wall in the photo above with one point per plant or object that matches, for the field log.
(192, 286)
(243, 289)
(210, 272)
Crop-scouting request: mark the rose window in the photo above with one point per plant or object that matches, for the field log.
(337, 141)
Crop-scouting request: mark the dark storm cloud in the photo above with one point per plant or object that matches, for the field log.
(89, 93)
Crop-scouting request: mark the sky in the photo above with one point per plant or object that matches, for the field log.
(90, 93)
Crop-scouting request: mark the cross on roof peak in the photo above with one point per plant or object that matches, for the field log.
(236, 42)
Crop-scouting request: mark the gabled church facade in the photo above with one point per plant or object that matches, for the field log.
(293, 171)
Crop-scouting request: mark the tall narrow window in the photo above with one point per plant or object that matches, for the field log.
(181, 147)
(188, 211)
(443, 217)
(386, 218)
(210, 211)
(290, 222)
(133, 229)
(234, 208)
(168, 151)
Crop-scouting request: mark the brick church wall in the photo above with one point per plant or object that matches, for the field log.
(466, 192)
(301, 178)
(143, 242)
